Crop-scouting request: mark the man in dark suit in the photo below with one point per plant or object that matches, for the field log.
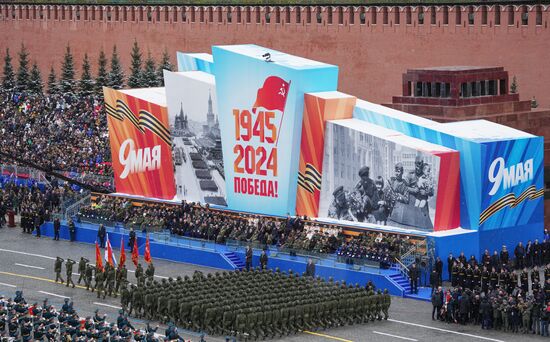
(310, 268)
(263, 260)
(414, 274)
(101, 234)
(56, 228)
(248, 259)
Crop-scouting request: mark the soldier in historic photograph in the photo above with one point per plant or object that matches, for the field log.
(421, 187)
(366, 188)
(340, 206)
(381, 202)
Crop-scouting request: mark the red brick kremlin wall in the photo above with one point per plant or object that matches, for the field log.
(373, 46)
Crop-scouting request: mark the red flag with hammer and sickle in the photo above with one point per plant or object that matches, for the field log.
(272, 95)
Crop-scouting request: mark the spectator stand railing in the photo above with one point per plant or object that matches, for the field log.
(73, 209)
(417, 250)
(23, 172)
(89, 178)
(321, 259)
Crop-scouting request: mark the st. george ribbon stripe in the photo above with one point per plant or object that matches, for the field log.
(510, 200)
(146, 120)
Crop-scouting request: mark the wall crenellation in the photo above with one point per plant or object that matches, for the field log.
(376, 17)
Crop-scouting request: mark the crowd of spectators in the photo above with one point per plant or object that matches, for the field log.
(31, 199)
(22, 321)
(502, 291)
(58, 133)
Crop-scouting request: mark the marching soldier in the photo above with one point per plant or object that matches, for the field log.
(121, 276)
(69, 267)
(139, 275)
(82, 269)
(89, 276)
(58, 268)
(110, 279)
(99, 279)
(386, 303)
(150, 272)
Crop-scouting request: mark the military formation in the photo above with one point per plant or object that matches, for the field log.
(109, 281)
(25, 322)
(256, 304)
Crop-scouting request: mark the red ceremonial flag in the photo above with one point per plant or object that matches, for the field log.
(147, 253)
(109, 255)
(122, 259)
(98, 262)
(272, 95)
(135, 253)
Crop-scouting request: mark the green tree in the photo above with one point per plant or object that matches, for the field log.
(514, 85)
(23, 72)
(150, 73)
(8, 79)
(102, 78)
(52, 82)
(86, 80)
(67, 80)
(136, 74)
(35, 80)
(116, 75)
(165, 64)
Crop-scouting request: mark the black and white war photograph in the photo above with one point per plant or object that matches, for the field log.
(367, 178)
(196, 138)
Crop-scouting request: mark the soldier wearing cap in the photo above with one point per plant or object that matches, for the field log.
(367, 189)
(340, 206)
(69, 268)
(58, 268)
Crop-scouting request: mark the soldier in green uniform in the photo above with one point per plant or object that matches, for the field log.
(89, 276)
(124, 296)
(99, 282)
(139, 275)
(82, 269)
(150, 272)
(58, 265)
(110, 280)
(69, 268)
(121, 276)
(386, 303)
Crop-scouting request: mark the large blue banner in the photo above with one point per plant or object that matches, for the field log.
(513, 186)
(260, 104)
(501, 178)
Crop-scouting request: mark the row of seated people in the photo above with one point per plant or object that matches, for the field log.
(375, 246)
(198, 221)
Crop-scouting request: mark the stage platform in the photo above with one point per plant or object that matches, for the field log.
(227, 257)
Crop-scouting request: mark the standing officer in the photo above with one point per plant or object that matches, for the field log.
(72, 230)
(450, 267)
(248, 259)
(310, 268)
(82, 269)
(414, 274)
(58, 265)
(263, 260)
(69, 267)
(56, 228)
(101, 233)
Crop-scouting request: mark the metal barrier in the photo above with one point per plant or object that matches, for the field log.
(73, 209)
